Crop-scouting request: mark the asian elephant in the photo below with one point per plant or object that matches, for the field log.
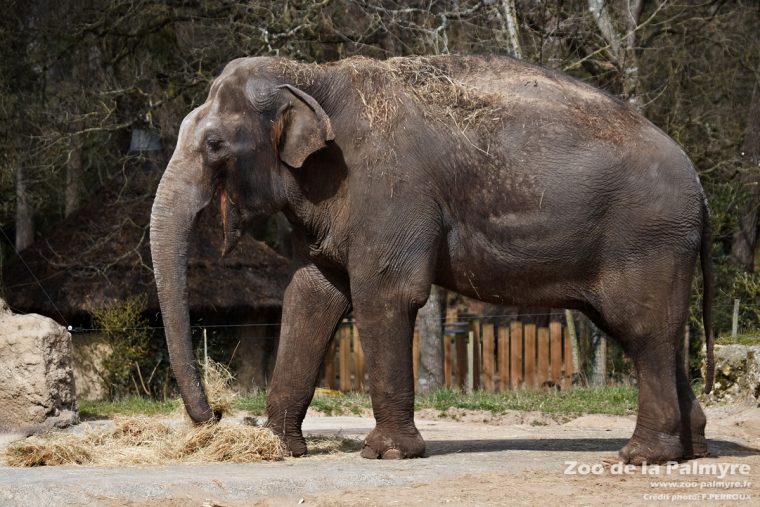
(497, 179)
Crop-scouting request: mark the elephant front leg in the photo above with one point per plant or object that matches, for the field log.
(385, 327)
(313, 305)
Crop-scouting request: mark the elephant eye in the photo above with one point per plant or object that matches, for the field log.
(214, 145)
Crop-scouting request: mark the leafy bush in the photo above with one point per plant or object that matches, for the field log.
(128, 338)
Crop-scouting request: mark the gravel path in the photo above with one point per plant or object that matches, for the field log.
(476, 460)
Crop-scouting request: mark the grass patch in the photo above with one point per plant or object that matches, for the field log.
(342, 404)
(255, 403)
(134, 405)
(325, 401)
(613, 400)
(750, 338)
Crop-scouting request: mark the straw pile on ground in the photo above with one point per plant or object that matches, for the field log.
(148, 441)
(152, 441)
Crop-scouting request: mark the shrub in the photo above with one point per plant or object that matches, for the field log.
(128, 337)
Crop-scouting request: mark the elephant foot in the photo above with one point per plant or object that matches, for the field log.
(293, 442)
(385, 445)
(695, 447)
(693, 433)
(295, 445)
(657, 448)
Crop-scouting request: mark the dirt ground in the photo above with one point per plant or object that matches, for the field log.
(518, 458)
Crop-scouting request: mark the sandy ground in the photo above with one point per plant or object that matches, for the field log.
(518, 458)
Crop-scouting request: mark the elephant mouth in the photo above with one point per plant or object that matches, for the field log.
(230, 221)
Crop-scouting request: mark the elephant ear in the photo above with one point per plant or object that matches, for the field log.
(304, 128)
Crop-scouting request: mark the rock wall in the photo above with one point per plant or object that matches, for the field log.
(737, 373)
(36, 377)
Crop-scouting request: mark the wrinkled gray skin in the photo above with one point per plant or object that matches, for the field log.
(517, 186)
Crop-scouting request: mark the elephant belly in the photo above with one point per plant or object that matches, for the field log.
(519, 267)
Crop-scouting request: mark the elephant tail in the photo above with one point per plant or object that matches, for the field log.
(708, 292)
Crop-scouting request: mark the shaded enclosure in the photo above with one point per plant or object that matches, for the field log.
(100, 255)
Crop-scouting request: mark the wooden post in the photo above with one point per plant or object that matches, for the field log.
(600, 359)
(447, 360)
(330, 365)
(543, 356)
(574, 342)
(470, 362)
(503, 358)
(734, 320)
(205, 356)
(555, 330)
(529, 332)
(462, 361)
(567, 360)
(345, 358)
(515, 354)
(488, 357)
(476, 362)
(358, 358)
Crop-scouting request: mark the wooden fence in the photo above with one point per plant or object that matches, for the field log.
(476, 355)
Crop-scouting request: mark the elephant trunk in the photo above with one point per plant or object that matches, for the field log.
(181, 195)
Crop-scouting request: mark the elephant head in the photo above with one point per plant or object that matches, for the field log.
(251, 130)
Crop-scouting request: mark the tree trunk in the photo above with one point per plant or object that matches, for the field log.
(622, 45)
(599, 377)
(73, 191)
(431, 341)
(510, 24)
(745, 239)
(573, 336)
(24, 212)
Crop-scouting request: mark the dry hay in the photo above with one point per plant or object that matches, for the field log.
(145, 440)
(38, 451)
(301, 74)
(333, 444)
(217, 382)
(442, 96)
(385, 86)
(430, 83)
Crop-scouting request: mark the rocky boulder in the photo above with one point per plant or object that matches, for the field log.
(737, 373)
(36, 376)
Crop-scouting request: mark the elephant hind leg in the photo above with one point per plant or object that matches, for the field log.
(657, 437)
(645, 309)
(693, 419)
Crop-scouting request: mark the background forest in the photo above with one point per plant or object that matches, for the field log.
(82, 80)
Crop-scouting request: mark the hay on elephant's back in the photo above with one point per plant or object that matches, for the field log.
(431, 84)
(148, 441)
(383, 85)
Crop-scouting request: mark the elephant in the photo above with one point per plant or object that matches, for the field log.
(503, 181)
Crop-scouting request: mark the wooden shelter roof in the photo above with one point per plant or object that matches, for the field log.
(101, 253)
